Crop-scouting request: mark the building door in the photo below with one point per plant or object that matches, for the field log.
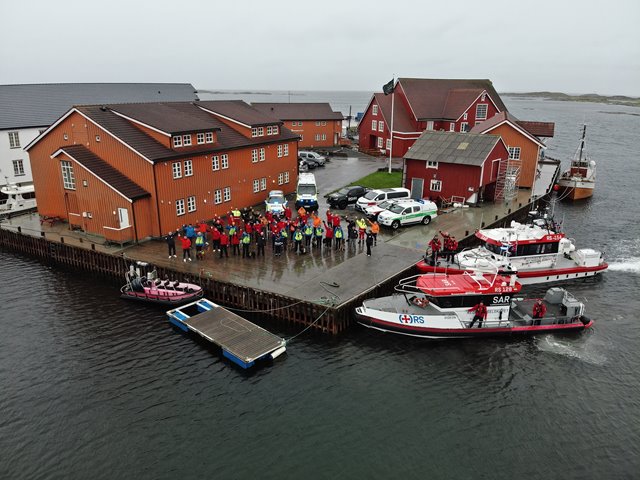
(417, 186)
(123, 217)
(336, 139)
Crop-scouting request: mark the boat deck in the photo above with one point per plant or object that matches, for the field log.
(241, 341)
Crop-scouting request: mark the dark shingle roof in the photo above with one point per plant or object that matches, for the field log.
(40, 105)
(401, 116)
(169, 117)
(105, 172)
(298, 111)
(239, 111)
(506, 116)
(451, 147)
(444, 99)
(539, 129)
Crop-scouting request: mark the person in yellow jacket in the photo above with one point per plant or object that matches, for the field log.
(375, 229)
(362, 228)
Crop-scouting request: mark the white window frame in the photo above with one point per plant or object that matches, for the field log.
(514, 153)
(186, 140)
(286, 177)
(388, 143)
(191, 203)
(263, 183)
(317, 123)
(188, 168)
(254, 155)
(262, 155)
(226, 194)
(269, 130)
(430, 125)
(177, 141)
(286, 149)
(224, 161)
(452, 126)
(14, 139)
(324, 137)
(200, 138)
(256, 185)
(324, 123)
(176, 168)
(279, 151)
(68, 177)
(431, 164)
(261, 131)
(217, 196)
(276, 129)
(374, 125)
(374, 110)
(435, 185)
(18, 167)
(379, 142)
(280, 178)
(486, 110)
(180, 207)
(208, 137)
(215, 162)
(464, 117)
(317, 137)
(381, 126)
(464, 127)
(254, 132)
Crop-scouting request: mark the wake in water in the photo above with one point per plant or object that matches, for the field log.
(586, 351)
(625, 257)
(628, 265)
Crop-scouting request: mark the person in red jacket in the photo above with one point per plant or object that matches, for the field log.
(435, 248)
(186, 248)
(224, 243)
(215, 240)
(481, 314)
(539, 311)
(288, 213)
(235, 243)
(328, 235)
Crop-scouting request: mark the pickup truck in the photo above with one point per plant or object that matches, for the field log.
(346, 196)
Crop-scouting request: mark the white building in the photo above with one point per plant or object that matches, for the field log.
(27, 110)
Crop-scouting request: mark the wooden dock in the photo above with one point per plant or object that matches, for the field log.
(241, 341)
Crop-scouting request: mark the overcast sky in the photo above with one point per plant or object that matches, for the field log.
(571, 46)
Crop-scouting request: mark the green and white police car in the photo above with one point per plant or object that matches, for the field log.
(408, 213)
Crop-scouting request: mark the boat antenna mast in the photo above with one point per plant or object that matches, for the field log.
(584, 132)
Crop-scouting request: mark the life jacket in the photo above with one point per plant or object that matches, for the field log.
(232, 231)
(297, 236)
(284, 233)
(539, 309)
(362, 225)
(308, 230)
(199, 240)
(246, 239)
(319, 231)
(338, 233)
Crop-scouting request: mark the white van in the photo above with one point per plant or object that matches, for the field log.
(374, 197)
(307, 192)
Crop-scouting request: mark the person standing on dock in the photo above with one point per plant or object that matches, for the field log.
(375, 229)
(199, 246)
(339, 236)
(480, 314)
(328, 236)
(369, 242)
(539, 311)
(297, 240)
(246, 242)
(452, 250)
(260, 241)
(362, 230)
(235, 242)
(224, 244)
(215, 240)
(435, 249)
(186, 248)
(278, 242)
(308, 235)
(171, 243)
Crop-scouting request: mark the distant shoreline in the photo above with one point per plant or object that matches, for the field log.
(590, 97)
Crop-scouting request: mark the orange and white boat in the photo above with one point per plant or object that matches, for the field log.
(579, 180)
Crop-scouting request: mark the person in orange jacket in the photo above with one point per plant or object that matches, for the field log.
(375, 229)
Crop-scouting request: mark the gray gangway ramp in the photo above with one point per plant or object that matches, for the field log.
(241, 341)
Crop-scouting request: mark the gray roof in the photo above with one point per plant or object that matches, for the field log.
(452, 147)
(298, 111)
(39, 105)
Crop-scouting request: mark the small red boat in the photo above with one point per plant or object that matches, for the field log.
(151, 289)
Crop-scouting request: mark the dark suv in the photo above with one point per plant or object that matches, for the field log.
(346, 196)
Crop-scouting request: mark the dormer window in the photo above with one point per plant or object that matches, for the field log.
(186, 140)
(209, 137)
(275, 130)
(200, 138)
(254, 132)
(177, 141)
(261, 131)
(269, 130)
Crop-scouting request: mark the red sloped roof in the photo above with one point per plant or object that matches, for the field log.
(539, 129)
(402, 121)
(502, 117)
(298, 111)
(429, 97)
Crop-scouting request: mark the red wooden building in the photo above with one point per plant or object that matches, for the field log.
(133, 171)
(442, 165)
(425, 104)
(316, 123)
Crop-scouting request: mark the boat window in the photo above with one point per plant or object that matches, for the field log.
(538, 248)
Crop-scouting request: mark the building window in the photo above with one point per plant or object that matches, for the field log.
(374, 125)
(280, 178)
(177, 170)
(254, 155)
(18, 168)
(186, 140)
(279, 151)
(452, 126)
(275, 130)
(430, 125)
(263, 183)
(97, 138)
(180, 207)
(269, 130)
(464, 127)
(436, 185)
(188, 168)
(256, 185)
(374, 110)
(14, 139)
(317, 123)
(324, 124)
(262, 155)
(200, 138)
(431, 164)
(215, 162)
(191, 204)
(227, 194)
(286, 177)
(68, 179)
(324, 136)
(177, 141)
(209, 137)
(286, 149)
(379, 142)
(217, 197)
(514, 153)
(481, 111)
(388, 144)
(254, 132)
(381, 126)
(225, 160)
(261, 131)
(317, 137)
(483, 98)
(464, 117)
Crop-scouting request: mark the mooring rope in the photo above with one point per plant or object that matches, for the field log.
(288, 341)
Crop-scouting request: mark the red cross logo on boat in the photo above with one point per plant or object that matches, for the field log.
(405, 318)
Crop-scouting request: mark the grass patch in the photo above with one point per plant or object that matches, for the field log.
(380, 180)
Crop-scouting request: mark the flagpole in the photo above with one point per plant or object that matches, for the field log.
(393, 97)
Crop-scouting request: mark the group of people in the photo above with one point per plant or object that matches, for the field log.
(446, 249)
(480, 313)
(245, 228)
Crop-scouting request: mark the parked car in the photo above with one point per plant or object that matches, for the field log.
(275, 202)
(408, 213)
(346, 196)
(374, 197)
(309, 157)
(373, 211)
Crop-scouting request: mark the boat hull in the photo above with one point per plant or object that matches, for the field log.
(162, 297)
(575, 190)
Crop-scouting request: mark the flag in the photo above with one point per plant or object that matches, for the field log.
(389, 87)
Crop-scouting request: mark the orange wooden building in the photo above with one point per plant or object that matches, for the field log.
(522, 142)
(128, 172)
(316, 123)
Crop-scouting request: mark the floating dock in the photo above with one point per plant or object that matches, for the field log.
(241, 341)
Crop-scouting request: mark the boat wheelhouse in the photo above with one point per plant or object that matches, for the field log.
(579, 180)
(19, 199)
